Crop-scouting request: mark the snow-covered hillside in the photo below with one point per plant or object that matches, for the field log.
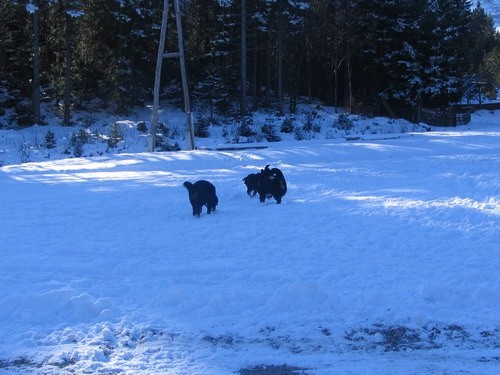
(382, 259)
(97, 133)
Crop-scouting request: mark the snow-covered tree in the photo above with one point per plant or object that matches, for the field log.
(426, 44)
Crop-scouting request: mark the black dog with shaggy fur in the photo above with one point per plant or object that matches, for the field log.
(271, 184)
(268, 183)
(252, 183)
(201, 193)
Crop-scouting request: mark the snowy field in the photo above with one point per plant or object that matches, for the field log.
(384, 258)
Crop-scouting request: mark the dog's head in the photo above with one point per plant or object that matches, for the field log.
(272, 174)
(252, 183)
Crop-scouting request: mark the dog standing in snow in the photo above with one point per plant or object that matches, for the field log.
(201, 193)
(270, 182)
(252, 183)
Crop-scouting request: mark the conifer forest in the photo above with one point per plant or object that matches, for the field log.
(245, 55)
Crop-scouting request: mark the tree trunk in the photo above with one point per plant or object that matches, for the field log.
(255, 85)
(348, 58)
(309, 76)
(280, 59)
(268, 75)
(243, 104)
(36, 66)
(67, 73)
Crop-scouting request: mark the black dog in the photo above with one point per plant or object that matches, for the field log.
(252, 183)
(201, 193)
(271, 184)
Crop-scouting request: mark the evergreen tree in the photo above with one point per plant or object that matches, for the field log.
(116, 50)
(426, 48)
(212, 39)
(444, 55)
(402, 42)
(16, 69)
(489, 69)
(482, 34)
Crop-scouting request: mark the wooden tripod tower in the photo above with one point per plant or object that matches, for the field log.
(161, 55)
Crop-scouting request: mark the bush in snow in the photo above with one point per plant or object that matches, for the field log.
(163, 136)
(76, 145)
(141, 127)
(115, 135)
(83, 136)
(344, 122)
(245, 129)
(310, 126)
(201, 127)
(300, 134)
(332, 132)
(24, 149)
(49, 140)
(287, 125)
(270, 133)
(76, 142)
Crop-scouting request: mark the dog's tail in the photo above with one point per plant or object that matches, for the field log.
(188, 185)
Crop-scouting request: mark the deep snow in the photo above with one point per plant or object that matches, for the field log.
(383, 258)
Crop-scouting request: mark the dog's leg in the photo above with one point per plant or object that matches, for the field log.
(262, 197)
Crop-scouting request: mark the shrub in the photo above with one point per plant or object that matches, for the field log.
(270, 133)
(245, 129)
(201, 127)
(76, 145)
(115, 135)
(344, 122)
(299, 134)
(163, 136)
(49, 140)
(141, 127)
(83, 136)
(24, 149)
(310, 126)
(162, 144)
(287, 125)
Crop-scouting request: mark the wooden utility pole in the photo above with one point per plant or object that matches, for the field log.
(159, 61)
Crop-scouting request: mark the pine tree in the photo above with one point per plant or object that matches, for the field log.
(444, 61)
(16, 68)
(482, 33)
(426, 48)
(401, 41)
